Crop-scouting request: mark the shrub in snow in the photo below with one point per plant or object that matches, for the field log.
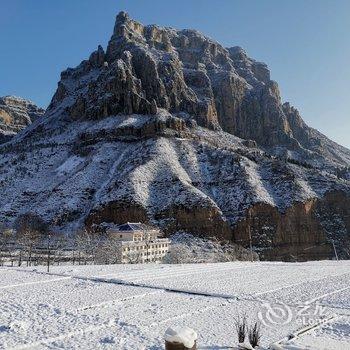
(254, 334)
(241, 328)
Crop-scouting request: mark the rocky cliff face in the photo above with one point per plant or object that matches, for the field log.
(194, 77)
(16, 114)
(169, 127)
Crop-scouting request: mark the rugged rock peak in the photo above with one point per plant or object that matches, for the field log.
(157, 66)
(149, 68)
(126, 27)
(15, 114)
(250, 69)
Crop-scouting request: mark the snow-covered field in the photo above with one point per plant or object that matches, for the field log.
(131, 306)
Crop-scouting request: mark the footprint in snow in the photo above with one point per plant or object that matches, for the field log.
(18, 326)
(107, 340)
(5, 328)
(57, 311)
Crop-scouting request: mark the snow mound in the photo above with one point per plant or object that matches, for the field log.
(182, 335)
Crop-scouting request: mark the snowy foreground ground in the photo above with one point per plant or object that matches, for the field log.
(131, 306)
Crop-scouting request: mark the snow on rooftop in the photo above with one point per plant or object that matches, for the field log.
(134, 226)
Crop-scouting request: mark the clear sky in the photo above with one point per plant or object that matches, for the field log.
(306, 44)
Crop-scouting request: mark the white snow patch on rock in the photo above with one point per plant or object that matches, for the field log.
(69, 165)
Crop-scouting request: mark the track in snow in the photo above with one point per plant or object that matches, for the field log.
(35, 282)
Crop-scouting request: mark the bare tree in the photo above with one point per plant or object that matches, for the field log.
(59, 248)
(108, 251)
(48, 238)
(178, 254)
(87, 244)
(6, 236)
(135, 257)
(29, 229)
(346, 249)
(54, 247)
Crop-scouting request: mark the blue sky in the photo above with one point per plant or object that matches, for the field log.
(306, 44)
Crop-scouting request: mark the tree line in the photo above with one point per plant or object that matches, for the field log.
(30, 242)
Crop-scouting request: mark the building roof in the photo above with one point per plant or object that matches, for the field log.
(134, 226)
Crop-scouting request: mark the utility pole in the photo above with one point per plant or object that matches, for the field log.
(48, 252)
(335, 250)
(250, 235)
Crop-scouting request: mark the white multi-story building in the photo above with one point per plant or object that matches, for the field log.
(139, 243)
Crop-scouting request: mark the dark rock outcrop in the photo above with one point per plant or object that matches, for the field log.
(283, 236)
(304, 231)
(15, 115)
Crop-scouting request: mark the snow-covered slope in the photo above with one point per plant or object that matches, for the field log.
(152, 131)
(74, 173)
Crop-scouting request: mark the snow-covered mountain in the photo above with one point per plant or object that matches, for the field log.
(15, 114)
(170, 127)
